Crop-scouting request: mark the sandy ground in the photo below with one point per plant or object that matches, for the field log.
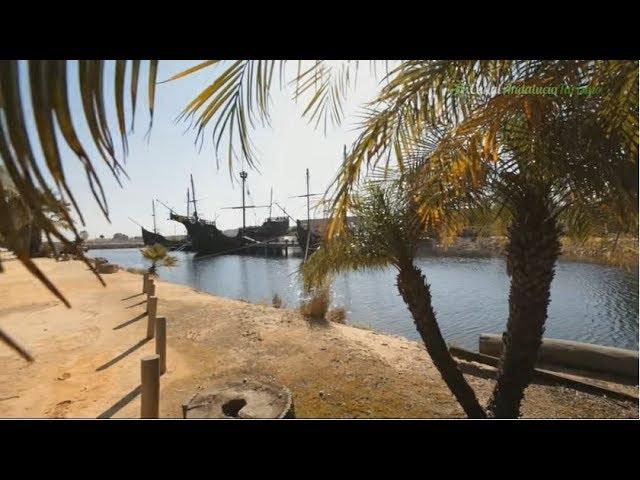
(88, 357)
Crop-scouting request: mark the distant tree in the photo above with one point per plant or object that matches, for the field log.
(101, 236)
(120, 236)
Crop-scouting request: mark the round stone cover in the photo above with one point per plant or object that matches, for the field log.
(245, 399)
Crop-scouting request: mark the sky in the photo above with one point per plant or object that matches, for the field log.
(160, 168)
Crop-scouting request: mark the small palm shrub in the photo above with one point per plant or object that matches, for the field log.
(158, 255)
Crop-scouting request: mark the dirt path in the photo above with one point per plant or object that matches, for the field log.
(88, 357)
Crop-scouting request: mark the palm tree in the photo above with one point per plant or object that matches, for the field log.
(386, 233)
(570, 170)
(548, 173)
(158, 255)
(567, 155)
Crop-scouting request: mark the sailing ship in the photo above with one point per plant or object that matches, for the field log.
(151, 238)
(310, 232)
(316, 234)
(206, 238)
(310, 239)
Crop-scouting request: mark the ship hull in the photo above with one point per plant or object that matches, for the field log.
(186, 221)
(269, 230)
(150, 238)
(318, 231)
(301, 233)
(206, 238)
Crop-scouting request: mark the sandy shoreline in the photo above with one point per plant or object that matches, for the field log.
(88, 357)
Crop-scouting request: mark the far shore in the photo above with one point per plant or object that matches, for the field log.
(87, 358)
(595, 250)
(621, 253)
(113, 245)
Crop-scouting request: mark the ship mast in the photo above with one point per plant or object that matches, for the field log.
(195, 207)
(270, 202)
(308, 195)
(306, 250)
(308, 207)
(188, 202)
(153, 214)
(243, 176)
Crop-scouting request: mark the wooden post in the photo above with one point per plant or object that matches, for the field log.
(151, 288)
(150, 398)
(152, 310)
(145, 282)
(161, 342)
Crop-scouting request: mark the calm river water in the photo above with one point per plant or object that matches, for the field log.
(589, 303)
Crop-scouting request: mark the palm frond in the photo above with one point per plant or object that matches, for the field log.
(239, 97)
(339, 255)
(421, 96)
(48, 98)
(154, 252)
(326, 84)
(235, 100)
(384, 232)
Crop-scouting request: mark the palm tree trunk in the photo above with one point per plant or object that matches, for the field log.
(532, 251)
(415, 293)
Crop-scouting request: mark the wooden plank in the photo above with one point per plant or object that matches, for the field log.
(586, 356)
(581, 384)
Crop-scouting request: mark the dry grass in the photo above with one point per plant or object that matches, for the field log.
(337, 315)
(316, 307)
(276, 301)
(606, 250)
(621, 253)
(138, 271)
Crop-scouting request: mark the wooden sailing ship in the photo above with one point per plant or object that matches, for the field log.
(309, 232)
(151, 238)
(206, 238)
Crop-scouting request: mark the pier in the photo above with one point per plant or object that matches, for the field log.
(268, 249)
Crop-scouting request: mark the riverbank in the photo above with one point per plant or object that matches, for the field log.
(88, 358)
(618, 252)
